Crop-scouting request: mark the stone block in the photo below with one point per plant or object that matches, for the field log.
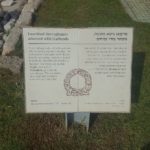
(25, 19)
(11, 40)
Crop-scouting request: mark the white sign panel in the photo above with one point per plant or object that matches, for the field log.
(78, 70)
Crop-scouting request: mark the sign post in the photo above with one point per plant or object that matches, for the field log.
(82, 118)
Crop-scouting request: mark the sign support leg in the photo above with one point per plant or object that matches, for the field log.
(82, 118)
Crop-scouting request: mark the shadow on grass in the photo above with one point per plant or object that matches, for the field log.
(146, 147)
(70, 119)
(137, 72)
(93, 117)
(18, 49)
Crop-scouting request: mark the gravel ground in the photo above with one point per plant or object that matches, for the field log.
(138, 10)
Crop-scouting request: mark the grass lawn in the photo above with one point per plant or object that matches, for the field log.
(19, 131)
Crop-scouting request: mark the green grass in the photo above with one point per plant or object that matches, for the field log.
(19, 131)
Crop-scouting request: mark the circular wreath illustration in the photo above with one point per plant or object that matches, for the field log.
(71, 91)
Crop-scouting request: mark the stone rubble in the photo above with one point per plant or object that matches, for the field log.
(18, 5)
(25, 19)
(14, 15)
(7, 21)
(7, 3)
(13, 63)
(9, 25)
